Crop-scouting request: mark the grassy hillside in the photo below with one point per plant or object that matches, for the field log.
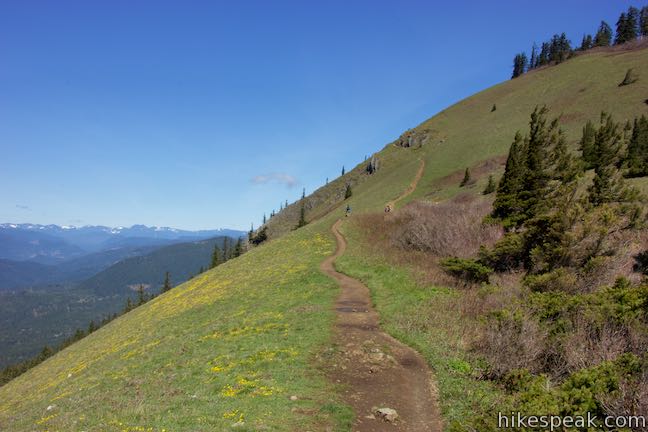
(47, 315)
(232, 345)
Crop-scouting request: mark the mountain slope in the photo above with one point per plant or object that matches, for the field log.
(33, 318)
(233, 344)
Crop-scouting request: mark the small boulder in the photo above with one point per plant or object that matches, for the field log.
(388, 414)
(293, 398)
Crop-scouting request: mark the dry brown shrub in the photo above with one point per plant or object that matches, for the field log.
(588, 345)
(631, 399)
(452, 228)
(512, 343)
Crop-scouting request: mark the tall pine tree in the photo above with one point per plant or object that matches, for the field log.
(643, 21)
(637, 159)
(167, 282)
(587, 145)
(216, 257)
(603, 36)
(607, 185)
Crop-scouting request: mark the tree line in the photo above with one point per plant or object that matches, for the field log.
(631, 25)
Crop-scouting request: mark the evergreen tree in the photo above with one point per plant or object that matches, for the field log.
(129, 305)
(303, 193)
(519, 65)
(238, 248)
(533, 62)
(215, 258)
(92, 327)
(586, 42)
(543, 57)
(587, 145)
(643, 21)
(264, 219)
(621, 31)
(607, 185)
(302, 217)
(490, 187)
(637, 159)
(466, 178)
(201, 270)
(226, 251)
(603, 36)
(627, 26)
(507, 202)
(167, 281)
(343, 172)
(348, 192)
(286, 205)
(141, 295)
(261, 236)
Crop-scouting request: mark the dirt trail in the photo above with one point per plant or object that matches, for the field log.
(377, 370)
(411, 188)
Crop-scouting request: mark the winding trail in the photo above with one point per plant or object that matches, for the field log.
(377, 371)
(412, 186)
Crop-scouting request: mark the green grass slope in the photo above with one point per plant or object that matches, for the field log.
(233, 344)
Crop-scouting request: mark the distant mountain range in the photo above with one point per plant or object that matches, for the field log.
(51, 244)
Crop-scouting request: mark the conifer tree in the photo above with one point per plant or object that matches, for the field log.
(643, 21)
(286, 205)
(621, 32)
(92, 327)
(533, 62)
(638, 149)
(586, 42)
(627, 26)
(166, 286)
(215, 258)
(226, 251)
(264, 219)
(603, 36)
(466, 178)
(490, 186)
(141, 296)
(607, 185)
(348, 192)
(587, 145)
(303, 193)
(507, 202)
(302, 217)
(543, 57)
(238, 248)
(519, 65)
(343, 172)
(129, 305)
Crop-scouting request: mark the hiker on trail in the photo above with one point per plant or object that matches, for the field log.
(348, 210)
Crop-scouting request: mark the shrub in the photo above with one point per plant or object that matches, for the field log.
(466, 178)
(467, 269)
(641, 262)
(630, 78)
(556, 280)
(490, 187)
(507, 254)
(445, 229)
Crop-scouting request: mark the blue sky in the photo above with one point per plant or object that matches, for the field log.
(207, 114)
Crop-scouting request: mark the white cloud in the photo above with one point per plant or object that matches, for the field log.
(23, 207)
(281, 178)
